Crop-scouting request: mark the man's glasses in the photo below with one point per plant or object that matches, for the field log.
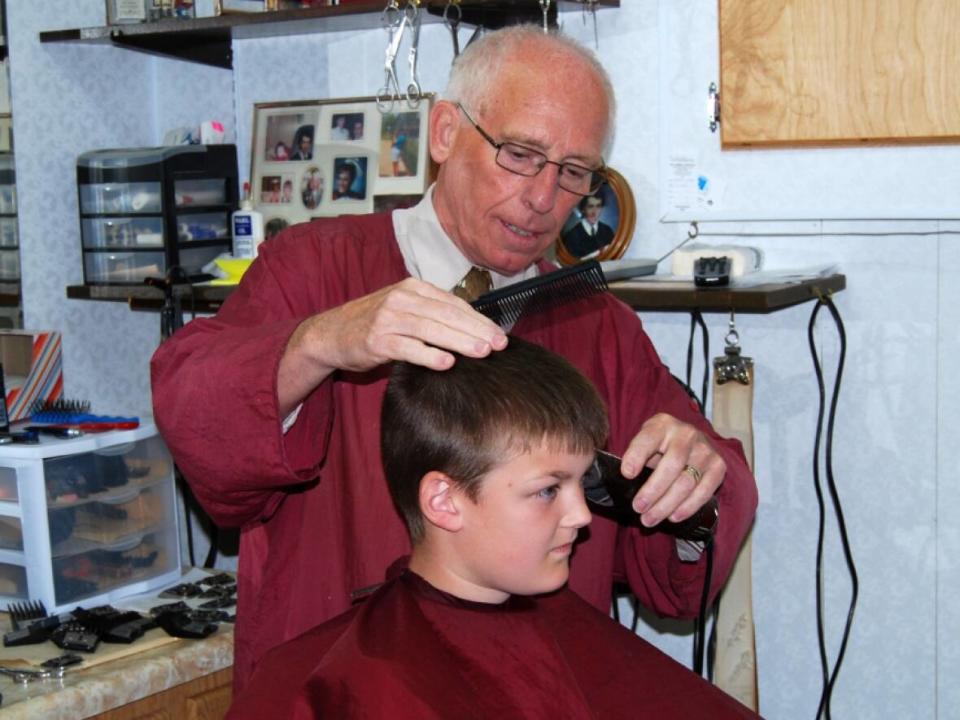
(526, 161)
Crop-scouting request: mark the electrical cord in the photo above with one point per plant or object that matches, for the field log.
(700, 626)
(829, 676)
(696, 318)
(171, 320)
(188, 524)
(700, 623)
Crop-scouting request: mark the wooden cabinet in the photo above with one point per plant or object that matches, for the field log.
(206, 698)
(815, 72)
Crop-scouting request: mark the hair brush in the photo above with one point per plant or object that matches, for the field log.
(506, 305)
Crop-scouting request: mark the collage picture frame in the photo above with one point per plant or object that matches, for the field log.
(323, 158)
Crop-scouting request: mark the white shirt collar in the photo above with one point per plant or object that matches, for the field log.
(432, 256)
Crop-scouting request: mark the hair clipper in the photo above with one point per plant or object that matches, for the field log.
(611, 495)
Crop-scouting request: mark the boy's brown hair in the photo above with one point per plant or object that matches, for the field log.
(465, 420)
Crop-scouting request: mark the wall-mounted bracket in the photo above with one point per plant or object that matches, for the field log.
(713, 106)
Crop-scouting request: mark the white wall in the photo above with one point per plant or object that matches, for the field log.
(897, 418)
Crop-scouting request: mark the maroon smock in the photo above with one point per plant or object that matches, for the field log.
(412, 652)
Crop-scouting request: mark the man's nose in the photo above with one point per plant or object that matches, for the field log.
(541, 190)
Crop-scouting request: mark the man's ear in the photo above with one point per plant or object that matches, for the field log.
(440, 501)
(444, 124)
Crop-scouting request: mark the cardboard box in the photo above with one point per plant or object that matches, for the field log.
(32, 369)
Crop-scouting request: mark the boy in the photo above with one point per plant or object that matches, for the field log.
(485, 462)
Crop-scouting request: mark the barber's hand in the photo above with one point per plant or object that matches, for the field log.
(687, 469)
(411, 320)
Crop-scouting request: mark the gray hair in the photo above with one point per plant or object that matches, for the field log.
(477, 69)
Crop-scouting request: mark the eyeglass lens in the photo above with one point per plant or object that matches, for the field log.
(526, 161)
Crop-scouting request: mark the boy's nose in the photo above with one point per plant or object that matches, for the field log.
(578, 514)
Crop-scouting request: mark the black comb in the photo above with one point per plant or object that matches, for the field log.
(506, 305)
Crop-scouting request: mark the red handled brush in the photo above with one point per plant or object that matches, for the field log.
(75, 415)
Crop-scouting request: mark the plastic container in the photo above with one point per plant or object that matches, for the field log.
(87, 521)
(165, 207)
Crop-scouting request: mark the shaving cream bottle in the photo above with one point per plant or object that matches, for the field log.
(247, 226)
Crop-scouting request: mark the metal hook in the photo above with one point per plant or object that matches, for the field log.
(394, 22)
(732, 339)
(592, 6)
(732, 366)
(694, 230)
(453, 24)
(413, 21)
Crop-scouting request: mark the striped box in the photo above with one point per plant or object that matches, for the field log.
(32, 369)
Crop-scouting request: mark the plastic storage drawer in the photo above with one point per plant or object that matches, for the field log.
(209, 191)
(9, 236)
(87, 521)
(9, 264)
(109, 198)
(108, 232)
(123, 267)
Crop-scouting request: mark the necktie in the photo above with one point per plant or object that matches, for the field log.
(593, 231)
(474, 284)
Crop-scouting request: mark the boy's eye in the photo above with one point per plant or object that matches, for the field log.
(548, 493)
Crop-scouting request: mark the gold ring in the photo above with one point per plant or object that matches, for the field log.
(694, 473)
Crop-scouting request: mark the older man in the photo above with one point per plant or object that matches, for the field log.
(271, 408)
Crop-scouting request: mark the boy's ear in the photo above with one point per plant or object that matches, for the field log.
(439, 501)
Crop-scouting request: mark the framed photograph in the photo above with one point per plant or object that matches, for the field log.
(601, 225)
(321, 158)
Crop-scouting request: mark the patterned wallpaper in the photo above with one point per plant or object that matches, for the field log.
(69, 99)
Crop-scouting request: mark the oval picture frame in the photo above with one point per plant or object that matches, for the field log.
(618, 214)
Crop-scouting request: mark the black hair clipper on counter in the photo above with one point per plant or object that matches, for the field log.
(611, 495)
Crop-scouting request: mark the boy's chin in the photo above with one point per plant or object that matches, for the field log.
(543, 586)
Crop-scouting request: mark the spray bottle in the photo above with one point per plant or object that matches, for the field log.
(247, 226)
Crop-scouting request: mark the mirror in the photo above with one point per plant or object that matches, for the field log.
(601, 225)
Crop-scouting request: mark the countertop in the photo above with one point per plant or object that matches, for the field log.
(162, 663)
(83, 692)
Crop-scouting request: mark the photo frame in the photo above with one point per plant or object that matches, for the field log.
(611, 216)
(323, 158)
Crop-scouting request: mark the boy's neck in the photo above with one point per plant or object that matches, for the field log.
(444, 574)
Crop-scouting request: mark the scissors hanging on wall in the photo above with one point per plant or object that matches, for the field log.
(396, 21)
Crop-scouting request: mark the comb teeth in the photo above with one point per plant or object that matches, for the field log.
(505, 306)
(22, 612)
(60, 405)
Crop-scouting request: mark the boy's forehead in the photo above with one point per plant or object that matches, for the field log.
(513, 443)
(514, 450)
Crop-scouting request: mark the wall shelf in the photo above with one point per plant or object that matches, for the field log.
(638, 294)
(685, 296)
(193, 298)
(208, 40)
